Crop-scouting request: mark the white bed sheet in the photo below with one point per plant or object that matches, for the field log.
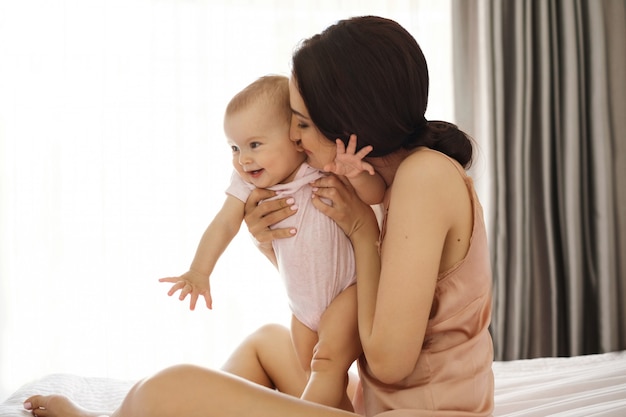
(593, 385)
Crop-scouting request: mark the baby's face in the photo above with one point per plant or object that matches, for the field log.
(263, 154)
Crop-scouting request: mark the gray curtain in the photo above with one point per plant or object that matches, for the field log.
(541, 85)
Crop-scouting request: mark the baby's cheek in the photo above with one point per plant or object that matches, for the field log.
(237, 166)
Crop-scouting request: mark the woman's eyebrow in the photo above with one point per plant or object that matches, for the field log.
(297, 113)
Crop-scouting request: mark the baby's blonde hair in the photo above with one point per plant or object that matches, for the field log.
(272, 88)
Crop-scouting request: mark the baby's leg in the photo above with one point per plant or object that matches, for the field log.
(304, 341)
(338, 347)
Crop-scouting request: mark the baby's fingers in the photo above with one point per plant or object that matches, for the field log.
(185, 290)
(177, 284)
(193, 301)
(367, 167)
(352, 144)
(341, 148)
(169, 279)
(364, 151)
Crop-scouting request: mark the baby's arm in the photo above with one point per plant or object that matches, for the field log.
(369, 187)
(368, 184)
(214, 241)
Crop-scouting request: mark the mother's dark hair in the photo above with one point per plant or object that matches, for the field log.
(368, 76)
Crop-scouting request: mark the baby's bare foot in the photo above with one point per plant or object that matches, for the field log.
(56, 406)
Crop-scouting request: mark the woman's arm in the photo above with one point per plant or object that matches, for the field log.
(416, 227)
(395, 296)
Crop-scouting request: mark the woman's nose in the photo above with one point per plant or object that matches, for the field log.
(294, 132)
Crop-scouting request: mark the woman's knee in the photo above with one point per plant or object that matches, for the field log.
(156, 395)
(268, 341)
(275, 353)
(270, 332)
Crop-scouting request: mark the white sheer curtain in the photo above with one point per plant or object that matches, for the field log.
(113, 160)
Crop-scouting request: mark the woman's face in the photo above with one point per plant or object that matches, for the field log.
(319, 149)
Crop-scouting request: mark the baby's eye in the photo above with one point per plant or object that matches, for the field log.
(234, 148)
(302, 125)
(254, 145)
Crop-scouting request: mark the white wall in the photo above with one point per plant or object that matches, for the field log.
(112, 162)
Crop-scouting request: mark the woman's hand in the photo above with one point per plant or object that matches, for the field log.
(345, 208)
(260, 216)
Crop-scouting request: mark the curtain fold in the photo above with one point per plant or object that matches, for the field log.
(539, 85)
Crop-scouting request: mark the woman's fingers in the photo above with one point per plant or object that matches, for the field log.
(332, 188)
(336, 189)
(255, 197)
(260, 216)
(345, 207)
(268, 235)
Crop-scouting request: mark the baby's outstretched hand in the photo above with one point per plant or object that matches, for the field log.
(347, 162)
(191, 283)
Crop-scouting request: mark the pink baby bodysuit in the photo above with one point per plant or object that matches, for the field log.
(318, 262)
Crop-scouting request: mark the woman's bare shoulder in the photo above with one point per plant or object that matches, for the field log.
(425, 163)
(434, 182)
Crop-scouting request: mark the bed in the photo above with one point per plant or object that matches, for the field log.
(592, 385)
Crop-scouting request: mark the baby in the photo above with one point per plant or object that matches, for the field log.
(317, 263)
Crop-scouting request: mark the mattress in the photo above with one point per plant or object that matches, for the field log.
(592, 385)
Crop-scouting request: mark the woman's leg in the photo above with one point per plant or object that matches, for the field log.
(267, 357)
(192, 391)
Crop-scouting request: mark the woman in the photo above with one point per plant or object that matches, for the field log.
(423, 281)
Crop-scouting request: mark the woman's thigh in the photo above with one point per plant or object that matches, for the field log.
(267, 357)
(191, 391)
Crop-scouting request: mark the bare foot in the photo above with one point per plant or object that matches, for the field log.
(56, 406)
